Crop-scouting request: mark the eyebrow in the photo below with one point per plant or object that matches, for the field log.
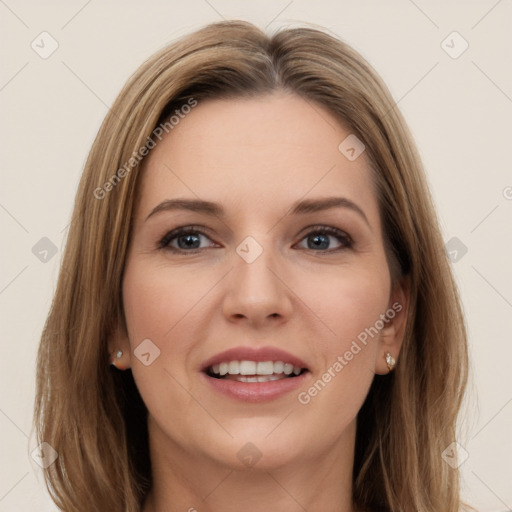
(300, 207)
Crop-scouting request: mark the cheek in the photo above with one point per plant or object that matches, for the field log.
(145, 307)
(153, 307)
(170, 308)
(348, 302)
(158, 307)
(157, 301)
(350, 305)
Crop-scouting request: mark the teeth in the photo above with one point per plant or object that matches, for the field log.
(261, 371)
(234, 368)
(278, 367)
(265, 368)
(247, 368)
(224, 368)
(261, 378)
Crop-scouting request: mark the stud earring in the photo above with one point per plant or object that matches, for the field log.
(118, 355)
(390, 361)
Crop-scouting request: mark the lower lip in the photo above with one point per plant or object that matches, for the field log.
(256, 391)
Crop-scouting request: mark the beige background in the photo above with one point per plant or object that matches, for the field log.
(459, 110)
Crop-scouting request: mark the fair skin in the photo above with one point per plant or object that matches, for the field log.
(308, 293)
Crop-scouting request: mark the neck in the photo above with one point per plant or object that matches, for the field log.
(194, 482)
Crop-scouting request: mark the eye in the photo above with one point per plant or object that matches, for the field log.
(184, 239)
(319, 239)
(188, 239)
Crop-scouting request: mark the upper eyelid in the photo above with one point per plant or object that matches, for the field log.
(183, 230)
(193, 228)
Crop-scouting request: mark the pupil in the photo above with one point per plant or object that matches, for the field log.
(319, 242)
(191, 241)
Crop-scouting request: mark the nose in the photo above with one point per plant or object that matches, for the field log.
(256, 292)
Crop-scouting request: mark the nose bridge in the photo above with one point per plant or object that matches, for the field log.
(254, 290)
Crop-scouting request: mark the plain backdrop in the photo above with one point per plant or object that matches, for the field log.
(456, 100)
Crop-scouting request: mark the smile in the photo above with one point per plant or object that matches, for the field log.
(255, 374)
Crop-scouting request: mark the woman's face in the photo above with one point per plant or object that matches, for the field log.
(282, 263)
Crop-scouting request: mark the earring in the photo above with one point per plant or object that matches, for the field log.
(390, 361)
(119, 353)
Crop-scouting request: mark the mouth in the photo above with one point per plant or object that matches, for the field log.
(255, 375)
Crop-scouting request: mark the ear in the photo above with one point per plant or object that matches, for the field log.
(119, 344)
(393, 332)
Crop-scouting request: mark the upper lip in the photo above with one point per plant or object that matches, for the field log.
(254, 354)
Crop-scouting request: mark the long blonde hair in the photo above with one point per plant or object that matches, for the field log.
(93, 416)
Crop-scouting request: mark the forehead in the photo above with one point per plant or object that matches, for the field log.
(264, 151)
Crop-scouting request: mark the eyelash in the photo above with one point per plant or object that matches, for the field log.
(343, 238)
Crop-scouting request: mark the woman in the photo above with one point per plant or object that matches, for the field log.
(254, 310)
